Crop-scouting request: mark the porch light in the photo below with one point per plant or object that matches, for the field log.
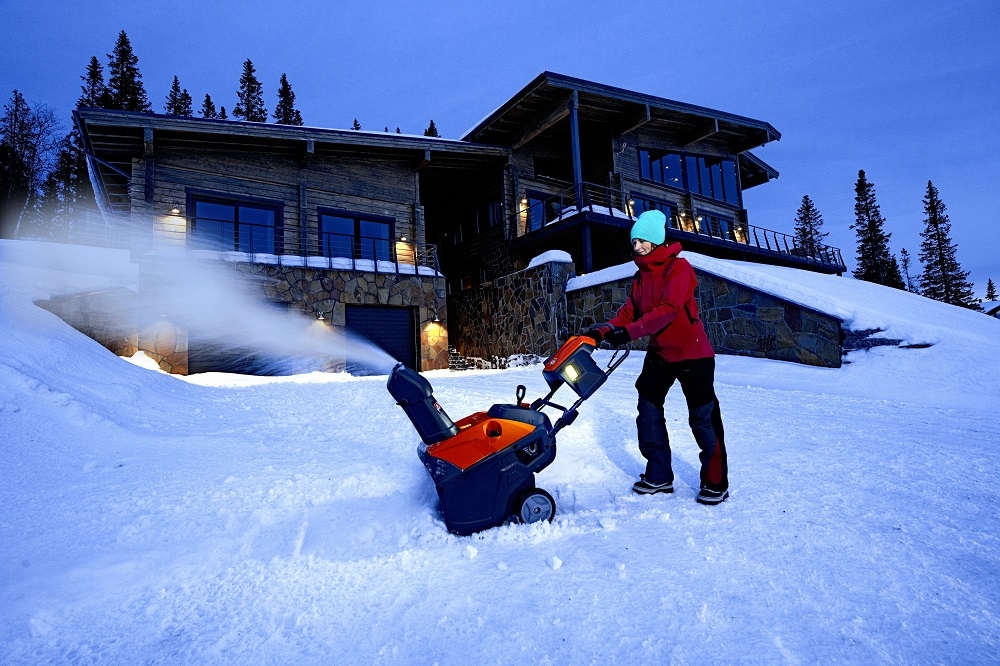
(175, 210)
(402, 238)
(524, 201)
(436, 319)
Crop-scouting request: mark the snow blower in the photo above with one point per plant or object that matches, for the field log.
(484, 465)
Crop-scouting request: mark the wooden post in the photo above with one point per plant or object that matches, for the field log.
(574, 130)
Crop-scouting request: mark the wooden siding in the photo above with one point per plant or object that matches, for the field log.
(387, 188)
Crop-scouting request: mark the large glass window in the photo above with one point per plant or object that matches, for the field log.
(712, 177)
(235, 225)
(355, 235)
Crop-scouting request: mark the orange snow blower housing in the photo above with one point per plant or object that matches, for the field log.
(484, 465)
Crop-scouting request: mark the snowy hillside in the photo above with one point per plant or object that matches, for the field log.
(146, 518)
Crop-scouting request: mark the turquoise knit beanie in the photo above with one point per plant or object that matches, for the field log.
(651, 226)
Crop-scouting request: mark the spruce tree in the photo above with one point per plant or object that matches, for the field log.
(431, 130)
(222, 113)
(904, 260)
(208, 108)
(397, 131)
(943, 278)
(178, 101)
(808, 225)
(285, 112)
(875, 262)
(126, 92)
(95, 92)
(356, 125)
(991, 290)
(251, 96)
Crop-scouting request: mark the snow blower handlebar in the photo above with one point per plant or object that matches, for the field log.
(573, 365)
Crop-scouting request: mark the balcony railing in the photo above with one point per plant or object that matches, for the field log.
(257, 243)
(536, 215)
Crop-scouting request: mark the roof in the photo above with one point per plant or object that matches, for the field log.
(113, 139)
(547, 95)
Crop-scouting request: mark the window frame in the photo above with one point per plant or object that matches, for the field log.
(193, 196)
(692, 180)
(356, 247)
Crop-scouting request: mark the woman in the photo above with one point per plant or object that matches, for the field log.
(662, 305)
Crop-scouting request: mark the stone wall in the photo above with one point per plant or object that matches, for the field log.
(739, 320)
(327, 292)
(520, 313)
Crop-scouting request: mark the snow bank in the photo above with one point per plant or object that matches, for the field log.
(146, 518)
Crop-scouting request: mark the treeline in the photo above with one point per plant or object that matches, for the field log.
(44, 185)
(941, 277)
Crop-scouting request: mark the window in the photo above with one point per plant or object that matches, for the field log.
(712, 177)
(642, 204)
(536, 210)
(243, 226)
(355, 235)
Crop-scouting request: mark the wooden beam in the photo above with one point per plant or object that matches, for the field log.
(759, 138)
(424, 161)
(560, 111)
(637, 121)
(703, 131)
(309, 152)
(147, 141)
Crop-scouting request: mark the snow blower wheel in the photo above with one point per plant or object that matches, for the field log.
(535, 506)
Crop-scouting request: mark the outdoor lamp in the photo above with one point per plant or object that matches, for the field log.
(175, 210)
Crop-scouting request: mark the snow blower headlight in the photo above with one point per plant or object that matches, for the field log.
(572, 365)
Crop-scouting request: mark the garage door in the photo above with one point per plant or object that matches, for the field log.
(391, 328)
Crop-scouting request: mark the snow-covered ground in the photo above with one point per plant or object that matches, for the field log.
(146, 518)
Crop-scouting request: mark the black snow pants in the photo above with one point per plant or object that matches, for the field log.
(697, 379)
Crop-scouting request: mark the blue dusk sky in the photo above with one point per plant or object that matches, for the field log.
(908, 90)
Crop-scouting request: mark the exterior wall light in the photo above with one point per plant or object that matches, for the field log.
(524, 201)
(402, 238)
(175, 210)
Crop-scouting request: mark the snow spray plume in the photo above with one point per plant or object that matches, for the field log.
(225, 308)
(197, 291)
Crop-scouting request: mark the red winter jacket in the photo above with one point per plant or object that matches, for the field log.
(662, 306)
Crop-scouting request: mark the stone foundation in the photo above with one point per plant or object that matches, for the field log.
(739, 320)
(520, 313)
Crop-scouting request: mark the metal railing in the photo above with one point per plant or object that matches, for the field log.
(569, 202)
(257, 243)
(536, 214)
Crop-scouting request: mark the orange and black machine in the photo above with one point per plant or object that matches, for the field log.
(484, 465)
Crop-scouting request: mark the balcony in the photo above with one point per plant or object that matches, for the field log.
(728, 237)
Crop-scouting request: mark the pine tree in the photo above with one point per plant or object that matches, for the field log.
(222, 113)
(808, 224)
(208, 108)
(991, 290)
(904, 260)
(67, 191)
(251, 96)
(95, 92)
(126, 92)
(431, 130)
(875, 262)
(285, 112)
(356, 125)
(943, 278)
(397, 131)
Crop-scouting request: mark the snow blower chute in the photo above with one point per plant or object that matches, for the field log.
(484, 465)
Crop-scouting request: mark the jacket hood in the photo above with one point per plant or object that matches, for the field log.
(660, 256)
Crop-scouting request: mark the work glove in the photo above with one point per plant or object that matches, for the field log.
(617, 337)
(597, 332)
